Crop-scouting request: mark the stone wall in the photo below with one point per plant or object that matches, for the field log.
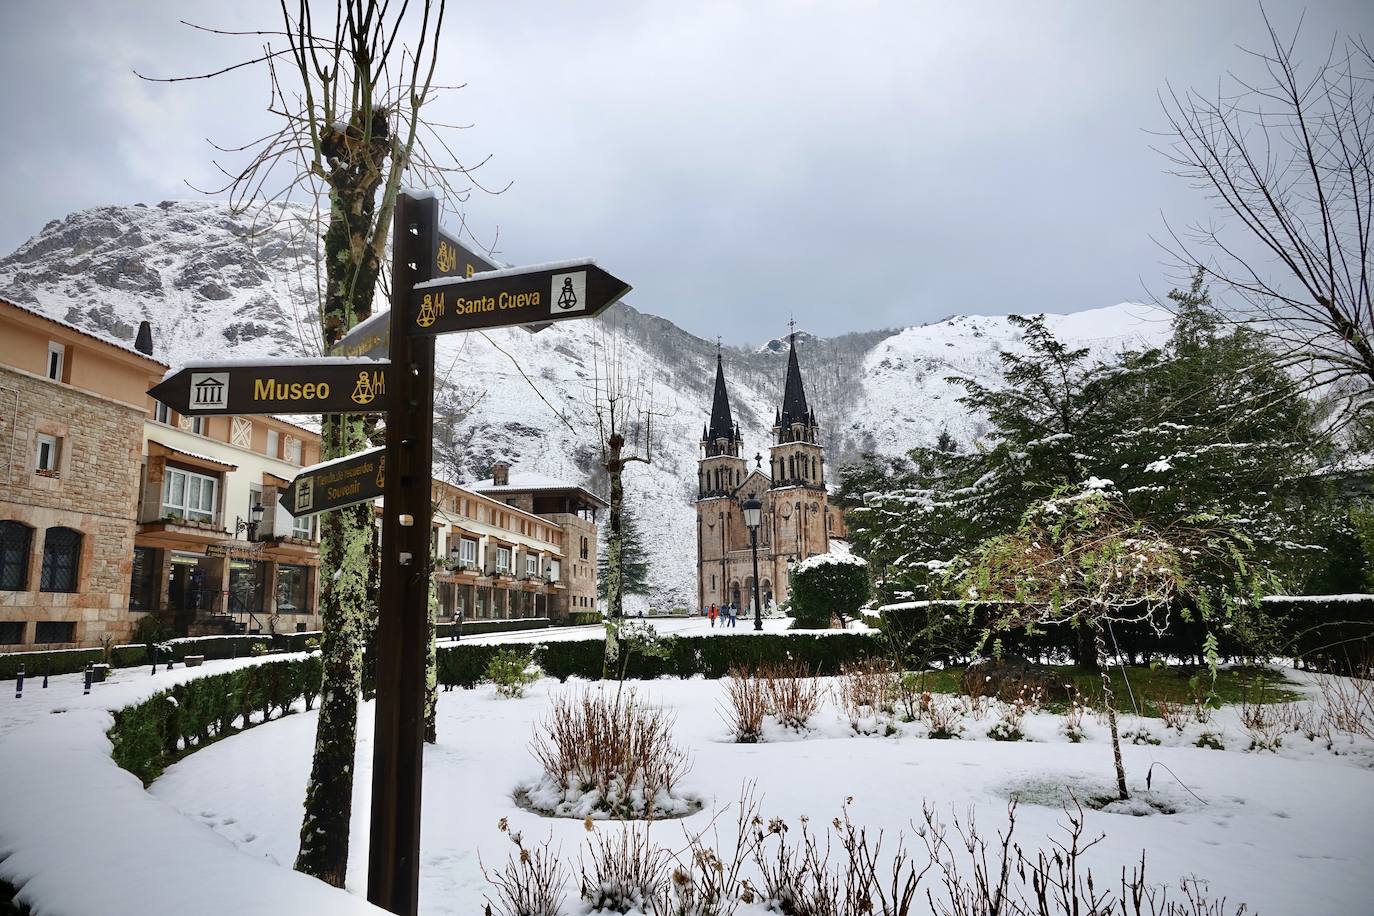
(94, 490)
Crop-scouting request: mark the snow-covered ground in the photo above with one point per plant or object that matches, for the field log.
(1288, 832)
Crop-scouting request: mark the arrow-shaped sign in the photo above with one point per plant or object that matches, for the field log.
(328, 385)
(519, 295)
(372, 337)
(334, 484)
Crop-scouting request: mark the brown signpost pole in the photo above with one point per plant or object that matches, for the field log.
(393, 867)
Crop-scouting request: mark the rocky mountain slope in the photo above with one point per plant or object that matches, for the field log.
(216, 286)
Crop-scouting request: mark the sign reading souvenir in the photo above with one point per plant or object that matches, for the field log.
(520, 295)
(329, 385)
(371, 339)
(334, 484)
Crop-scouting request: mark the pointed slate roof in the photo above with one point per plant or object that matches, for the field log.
(722, 424)
(794, 409)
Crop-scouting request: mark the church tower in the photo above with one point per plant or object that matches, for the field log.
(797, 458)
(721, 469)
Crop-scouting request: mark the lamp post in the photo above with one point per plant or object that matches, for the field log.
(752, 510)
(254, 520)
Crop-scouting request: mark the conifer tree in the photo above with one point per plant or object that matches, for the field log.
(634, 559)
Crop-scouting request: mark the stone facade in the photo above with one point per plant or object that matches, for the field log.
(92, 490)
(796, 518)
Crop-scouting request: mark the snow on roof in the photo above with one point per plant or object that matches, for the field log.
(527, 482)
(197, 455)
(110, 341)
(306, 362)
(509, 272)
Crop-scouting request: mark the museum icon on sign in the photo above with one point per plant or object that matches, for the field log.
(209, 390)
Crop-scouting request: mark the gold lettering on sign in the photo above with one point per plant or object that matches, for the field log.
(431, 309)
(381, 472)
(267, 389)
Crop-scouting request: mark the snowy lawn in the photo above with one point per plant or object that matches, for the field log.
(1290, 831)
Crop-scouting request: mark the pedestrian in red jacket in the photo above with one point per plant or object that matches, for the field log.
(713, 614)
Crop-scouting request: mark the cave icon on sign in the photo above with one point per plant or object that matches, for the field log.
(568, 293)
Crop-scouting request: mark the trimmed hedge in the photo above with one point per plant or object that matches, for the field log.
(72, 661)
(481, 627)
(1329, 632)
(150, 735)
(584, 618)
(709, 656)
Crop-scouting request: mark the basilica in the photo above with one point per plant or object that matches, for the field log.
(796, 520)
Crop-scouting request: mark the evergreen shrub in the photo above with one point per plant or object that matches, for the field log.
(827, 585)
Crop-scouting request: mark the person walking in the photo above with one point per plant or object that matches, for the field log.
(712, 615)
(734, 613)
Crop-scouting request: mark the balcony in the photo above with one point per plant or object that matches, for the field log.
(173, 530)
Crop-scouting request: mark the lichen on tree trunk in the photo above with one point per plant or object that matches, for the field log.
(615, 467)
(1108, 700)
(432, 669)
(352, 264)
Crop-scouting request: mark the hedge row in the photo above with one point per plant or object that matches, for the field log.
(481, 627)
(150, 735)
(1335, 632)
(71, 661)
(463, 665)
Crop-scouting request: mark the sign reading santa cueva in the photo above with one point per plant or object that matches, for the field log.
(329, 385)
(519, 295)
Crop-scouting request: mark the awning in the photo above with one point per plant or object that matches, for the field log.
(163, 450)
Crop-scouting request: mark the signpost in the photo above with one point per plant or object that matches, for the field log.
(518, 295)
(438, 286)
(335, 484)
(287, 386)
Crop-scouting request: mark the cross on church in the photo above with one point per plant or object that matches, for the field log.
(792, 326)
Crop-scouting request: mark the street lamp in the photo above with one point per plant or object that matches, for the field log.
(752, 510)
(254, 520)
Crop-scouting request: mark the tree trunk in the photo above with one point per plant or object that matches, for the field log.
(614, 578)
(351, 268)
(1108, 701)
(432, 668)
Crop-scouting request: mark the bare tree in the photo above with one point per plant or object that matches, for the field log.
(349, 92)
(625, 412)
(1289, 159)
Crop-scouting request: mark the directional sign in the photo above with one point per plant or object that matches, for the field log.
(338, 483)
(521, 295)
(372, 338)
(327, 385)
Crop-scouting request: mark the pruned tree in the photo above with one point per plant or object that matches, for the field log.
(1289, 160)
(1082, 558)
(623, 401)
(349, 88)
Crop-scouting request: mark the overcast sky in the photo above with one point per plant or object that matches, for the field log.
(855, 164)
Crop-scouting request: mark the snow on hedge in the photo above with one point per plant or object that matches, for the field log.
(829, 559)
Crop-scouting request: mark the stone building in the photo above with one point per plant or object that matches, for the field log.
(573, 509)
(797, 519)
(71, 429)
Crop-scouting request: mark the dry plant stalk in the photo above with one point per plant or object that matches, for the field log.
(867, 689)
(530, 884)
(626, 871)
(1174, 715)
(613, 744)
(748, 695)
(793, 694)
(1349, 702)
(705, 882)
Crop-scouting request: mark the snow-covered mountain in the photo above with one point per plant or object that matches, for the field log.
(215, 286)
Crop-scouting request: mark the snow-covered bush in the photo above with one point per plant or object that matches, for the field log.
(793, 695)
(530, 884)
(868, 694)
(511, 671)
(607, 754)
(748, 695)
(828, 585)
(623, 871)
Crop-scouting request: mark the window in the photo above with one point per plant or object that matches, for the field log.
(11, 632)
(291, 450)
(162, 413)
(584, 548)
(531, 564)
(54, 631)
(303, 527)
(247, 579)
(15, 540)
(57, 357)
(503, 559)
(187, 495)
(143, 580)
(200, 426)
(554, 569)
(293, 589)
(273, 444)
(49, 452)
(467, 552)
(61, 553)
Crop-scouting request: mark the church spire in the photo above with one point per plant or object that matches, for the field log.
(794, 409)
(722, 424)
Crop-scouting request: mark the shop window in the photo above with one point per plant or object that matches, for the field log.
(246, 581)
(50, 631)
(293, 589)
(49, 453)
(11, 632)
(61, 555)
(16, 539)
(187, 495)
(143, 580)
(57, 358)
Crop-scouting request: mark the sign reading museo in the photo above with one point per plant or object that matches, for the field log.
(360, 477)
(521, 295)
(327, 385)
